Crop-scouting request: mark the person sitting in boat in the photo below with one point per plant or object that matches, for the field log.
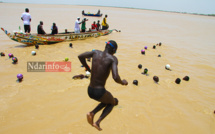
(83, 12)
(98, 11)
(104, 23)
(93, 27)
(40, 29)
(66, 31)
(77, 23)
(83, 25)
(98, 25)
(54, 29)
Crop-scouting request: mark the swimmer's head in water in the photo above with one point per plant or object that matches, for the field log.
(186, 78)
(111, 45)
(140, 66)
(135, 82)
(178, 81)
(156, 79)
(2, 54)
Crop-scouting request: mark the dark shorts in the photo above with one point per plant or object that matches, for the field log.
(97, 93)
(27, 28)
(104, 27)
(83, 30)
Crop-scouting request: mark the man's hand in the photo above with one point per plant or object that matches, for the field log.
(124, 82)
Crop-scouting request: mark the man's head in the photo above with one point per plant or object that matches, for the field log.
(41, 22)
(94, 22)
(26, 10)
(111, 46)
(98, 21)
(78, 18)
(106, 16)
(54, 24)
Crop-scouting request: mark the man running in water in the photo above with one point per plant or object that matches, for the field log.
(102, 63)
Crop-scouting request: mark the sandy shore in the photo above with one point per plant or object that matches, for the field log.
(47, 103)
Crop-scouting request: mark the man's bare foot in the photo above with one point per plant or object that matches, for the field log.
(97, 126)
(90, 117)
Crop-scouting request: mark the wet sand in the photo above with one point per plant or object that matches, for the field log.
(47, 102)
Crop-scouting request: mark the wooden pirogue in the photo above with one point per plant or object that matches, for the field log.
(33, 39)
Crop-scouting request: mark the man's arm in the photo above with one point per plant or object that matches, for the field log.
(82, 57)
(115, 73)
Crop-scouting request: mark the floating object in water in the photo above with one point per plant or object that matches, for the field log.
(66, 59)
(154, 47)
(10, 55)
(186, 78)
(2, 54)
(159, 55)
(37, 46)
(15, 60)
(143, 51)
(167, 66)
(140, 66)
(87, 73)
(93, 50)
(70, 44)
(146, 47)
(33, 52)
(160, 44)
(119, 30)
(178, 80)
(20, 77)
(135, 82)
(81, 76)
(145, 71)
(156, 79)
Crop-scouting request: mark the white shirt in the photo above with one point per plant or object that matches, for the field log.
(77, 25)
(26, 18)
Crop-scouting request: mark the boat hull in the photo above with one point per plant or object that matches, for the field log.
(33, 39)
(93, 15)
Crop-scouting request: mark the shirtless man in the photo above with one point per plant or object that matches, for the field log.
(102, 64)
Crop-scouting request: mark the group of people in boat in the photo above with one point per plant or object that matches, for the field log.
(26, 18)
(98, 13)
(40, 29)
(94, 27)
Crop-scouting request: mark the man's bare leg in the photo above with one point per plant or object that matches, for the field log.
(105, 112)
(91, 114)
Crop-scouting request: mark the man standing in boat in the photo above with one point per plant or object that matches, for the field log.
(26, 18)
(83, 25)
(104, 23)
(103, 62)
(77, 27)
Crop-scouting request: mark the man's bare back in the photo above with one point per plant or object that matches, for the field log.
(102, 64)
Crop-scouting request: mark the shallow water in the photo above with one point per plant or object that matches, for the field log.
(45, 103)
